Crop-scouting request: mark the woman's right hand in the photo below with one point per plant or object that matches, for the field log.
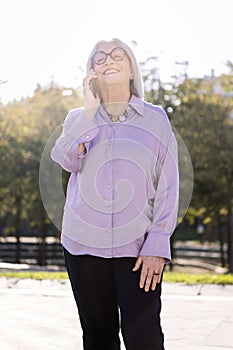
(81, 148)
(91, 102)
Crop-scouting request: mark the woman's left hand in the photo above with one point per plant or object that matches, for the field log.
(151, 272)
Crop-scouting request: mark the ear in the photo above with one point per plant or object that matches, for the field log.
(131, 71)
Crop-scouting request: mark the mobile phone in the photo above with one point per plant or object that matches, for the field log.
(94, 88)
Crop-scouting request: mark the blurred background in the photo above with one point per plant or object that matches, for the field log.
(186, 58)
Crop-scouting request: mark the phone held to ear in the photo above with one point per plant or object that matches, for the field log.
(94, 88)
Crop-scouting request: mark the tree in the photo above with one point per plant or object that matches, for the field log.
(25, 127)
(203, 119)
(202, 112)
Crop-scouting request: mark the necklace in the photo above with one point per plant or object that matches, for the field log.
(115, 118)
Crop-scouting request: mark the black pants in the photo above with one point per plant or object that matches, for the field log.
(104, 286)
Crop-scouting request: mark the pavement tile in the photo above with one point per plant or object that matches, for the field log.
(211, 289)
(221, 336)
(38, 315)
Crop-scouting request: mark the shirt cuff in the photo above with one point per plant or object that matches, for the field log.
(157, 245)
(81, 155)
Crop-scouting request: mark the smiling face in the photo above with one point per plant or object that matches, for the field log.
(112, 72)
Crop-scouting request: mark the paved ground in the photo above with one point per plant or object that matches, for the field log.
(41, 315)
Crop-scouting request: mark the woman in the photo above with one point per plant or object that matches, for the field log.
(121, 205)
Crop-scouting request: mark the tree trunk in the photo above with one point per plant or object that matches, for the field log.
(42, 251)
(230, 226)
(17, 229)
(221, 241)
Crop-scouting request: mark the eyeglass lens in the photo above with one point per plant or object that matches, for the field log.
(117, 54)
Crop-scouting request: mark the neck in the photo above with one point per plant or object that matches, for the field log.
(115, 100)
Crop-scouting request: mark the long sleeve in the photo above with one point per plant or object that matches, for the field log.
(157, 242)
(77, 129)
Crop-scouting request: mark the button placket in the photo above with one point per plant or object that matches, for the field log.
(112, 182)
(109, 181)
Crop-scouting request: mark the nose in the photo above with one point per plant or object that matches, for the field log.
(109, 59)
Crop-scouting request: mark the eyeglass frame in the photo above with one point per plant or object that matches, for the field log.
(109, 54)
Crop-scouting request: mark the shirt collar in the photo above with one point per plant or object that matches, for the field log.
(137, 104)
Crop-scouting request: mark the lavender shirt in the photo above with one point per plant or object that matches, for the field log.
(122, 195)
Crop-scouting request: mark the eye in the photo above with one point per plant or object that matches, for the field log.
(99, 57)
(118, 54)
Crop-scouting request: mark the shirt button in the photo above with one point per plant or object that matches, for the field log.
(109, 207)
(109, 186)
(109, 230)
(109, 164)
(87, 136)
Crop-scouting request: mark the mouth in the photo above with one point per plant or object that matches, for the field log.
(109, 71)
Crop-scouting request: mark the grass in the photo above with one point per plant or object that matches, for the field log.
(193, 278)
(169, 277)
(35, 275)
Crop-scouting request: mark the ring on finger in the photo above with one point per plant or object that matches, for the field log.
(156, 274)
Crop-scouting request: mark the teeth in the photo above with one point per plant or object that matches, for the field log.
(111, 71)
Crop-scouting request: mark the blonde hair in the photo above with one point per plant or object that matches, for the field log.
(136, 84)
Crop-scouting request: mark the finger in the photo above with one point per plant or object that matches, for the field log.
(154, 282)
(137, 264)
(88, 78)
(143, 276)
(91, 75)
(149, 279)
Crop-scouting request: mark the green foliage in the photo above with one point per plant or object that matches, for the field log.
(35, 275)
(201, 110)
(189, 278)
(25, 127)
(202, 119)
(169, 277)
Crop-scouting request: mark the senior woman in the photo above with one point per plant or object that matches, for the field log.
(121, 205)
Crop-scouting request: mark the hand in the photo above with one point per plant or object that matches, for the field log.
(91, 102)
(81, 148)
(151, 273)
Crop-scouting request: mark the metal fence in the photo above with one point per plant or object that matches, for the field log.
(31, 251)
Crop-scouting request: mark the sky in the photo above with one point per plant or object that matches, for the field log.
(44, 40)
